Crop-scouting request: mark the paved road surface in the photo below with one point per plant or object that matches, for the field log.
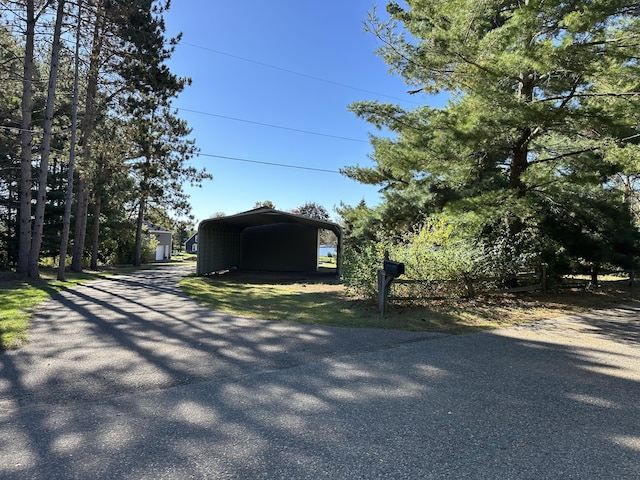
(127, 378)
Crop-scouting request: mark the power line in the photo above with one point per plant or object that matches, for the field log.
(272, 126)
(246, 160)
(293, 72)
(300, 167)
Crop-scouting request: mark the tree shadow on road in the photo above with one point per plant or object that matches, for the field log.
(171, 389)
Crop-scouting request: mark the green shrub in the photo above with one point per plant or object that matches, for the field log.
(360, 267)
(148, 248)
(432, 251)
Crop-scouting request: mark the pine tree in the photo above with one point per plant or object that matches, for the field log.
(160, 165)
(541, 94)
(10, 54)
(26, 103)
(45, 148)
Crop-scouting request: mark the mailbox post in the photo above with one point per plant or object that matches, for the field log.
(389, 271)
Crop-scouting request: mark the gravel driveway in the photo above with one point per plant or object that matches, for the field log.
(128, 378)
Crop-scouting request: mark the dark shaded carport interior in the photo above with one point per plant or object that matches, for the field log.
(262, 239)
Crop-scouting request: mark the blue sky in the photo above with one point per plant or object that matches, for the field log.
(261, 63)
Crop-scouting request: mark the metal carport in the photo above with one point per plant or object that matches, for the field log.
(262, 239)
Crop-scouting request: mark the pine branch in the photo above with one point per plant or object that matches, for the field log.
(565, 155)
(574, 94)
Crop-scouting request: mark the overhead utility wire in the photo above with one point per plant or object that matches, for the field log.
(271, 125)
(300, 167)
(293, 72)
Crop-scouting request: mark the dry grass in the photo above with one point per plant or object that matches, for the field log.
(323, 300)
(502, 310)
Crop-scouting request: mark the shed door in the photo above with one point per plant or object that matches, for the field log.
(159, 252)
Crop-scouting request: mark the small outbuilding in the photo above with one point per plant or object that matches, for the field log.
(262, 239)
(164, 239)
(191, 245)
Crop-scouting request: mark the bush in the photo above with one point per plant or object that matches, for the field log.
(121, 252)
(148, 248)
(432, 251)
(360, 267)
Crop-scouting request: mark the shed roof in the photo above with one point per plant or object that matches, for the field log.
(152, 228)
(265, 216)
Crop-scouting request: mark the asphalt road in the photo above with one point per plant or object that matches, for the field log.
(127, 378)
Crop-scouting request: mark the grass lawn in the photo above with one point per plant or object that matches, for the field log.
(19, 297)
(322, 300)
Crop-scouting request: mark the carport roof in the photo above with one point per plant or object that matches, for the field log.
(266, 216)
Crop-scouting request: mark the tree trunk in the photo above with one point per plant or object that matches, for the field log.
(12, 223)
(24, 243)
(66, 222)
(519, 162)
(96, 233)
(137, 253)
(520, 149)
(594, 274)
(88, 126)
(36, 241)
(80, 228)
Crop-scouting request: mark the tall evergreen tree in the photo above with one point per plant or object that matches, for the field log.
(138, 86)
(101, 25)
(160, 165)
(24, 243)
(161, 147)
(45, 147)
(10, 66)
(542, 93)
(66, 220)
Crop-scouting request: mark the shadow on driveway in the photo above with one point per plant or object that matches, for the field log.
(128, 378)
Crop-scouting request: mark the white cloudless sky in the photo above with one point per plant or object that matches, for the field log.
(293, 64)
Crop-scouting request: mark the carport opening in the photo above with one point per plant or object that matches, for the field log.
(327, 251)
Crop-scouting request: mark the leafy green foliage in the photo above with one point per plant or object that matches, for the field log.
(132, 148)
(265, 204)
(149, 245)
(359, 269)
(312, 210)
(433, 251)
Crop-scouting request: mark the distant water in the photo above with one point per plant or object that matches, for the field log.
(324, 251)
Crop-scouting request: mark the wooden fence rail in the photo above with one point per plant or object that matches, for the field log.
(401, 289)
(436, 289)
(469, 286)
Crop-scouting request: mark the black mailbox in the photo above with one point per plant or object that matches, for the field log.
(393, 269)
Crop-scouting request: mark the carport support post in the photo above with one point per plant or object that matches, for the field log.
(384, 281)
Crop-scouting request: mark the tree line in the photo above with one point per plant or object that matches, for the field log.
(90, 146)
(536, 156)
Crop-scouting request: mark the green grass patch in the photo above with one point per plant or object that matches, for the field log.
(184, 257)
(314, 300)
(18, 299)
(329, 261)
(276, 297)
